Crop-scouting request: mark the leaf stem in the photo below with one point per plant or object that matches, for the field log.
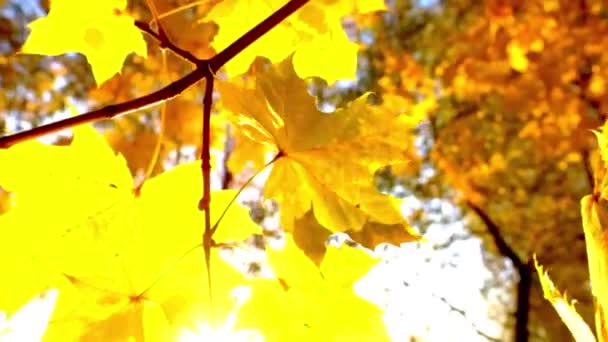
(163, 123)
(217, 223)
(179, 9)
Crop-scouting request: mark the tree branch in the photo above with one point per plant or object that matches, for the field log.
(259, 30)
(108, 112)
(524, 269)
(494, 230)
(205, 202)
(204, 68)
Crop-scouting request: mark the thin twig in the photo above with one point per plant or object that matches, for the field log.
(179, 9)
(161, 132)
(163, 108)
(156, 21)
(165, 43)
(524, 269)
(217, 223)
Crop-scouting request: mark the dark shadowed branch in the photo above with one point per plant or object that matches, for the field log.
(524, 269)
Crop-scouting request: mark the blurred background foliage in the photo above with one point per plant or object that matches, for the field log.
(511, 90)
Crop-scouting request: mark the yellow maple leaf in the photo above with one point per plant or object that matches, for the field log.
(96, 29)
(87, 177)
(595, 221)
(316, 58)
(314, 28)
(326, 161)
(288, 307)
(565, 309)
(67, 189)
(126, 265)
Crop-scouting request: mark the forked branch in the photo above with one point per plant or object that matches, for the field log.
(204, 68)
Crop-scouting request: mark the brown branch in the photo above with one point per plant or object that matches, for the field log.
(205, 68)
(494, 230)
(108, 112)
(205, 151)
(589, 169)
(244, 41)
(228, 147)
(205, 202)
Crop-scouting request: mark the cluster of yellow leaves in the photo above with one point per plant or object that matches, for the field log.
(106, 36)
(124, 264)
(131, 265)
(128, 264)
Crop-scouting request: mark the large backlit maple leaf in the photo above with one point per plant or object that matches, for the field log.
(306, 303)
(314, 32)
(126, 265)
(326, 162)
(97, 29)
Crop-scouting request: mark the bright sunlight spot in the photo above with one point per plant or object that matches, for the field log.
(226, 332)
(29, 323)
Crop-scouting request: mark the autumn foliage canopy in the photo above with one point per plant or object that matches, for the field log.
(124, 260)
(124, 231)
